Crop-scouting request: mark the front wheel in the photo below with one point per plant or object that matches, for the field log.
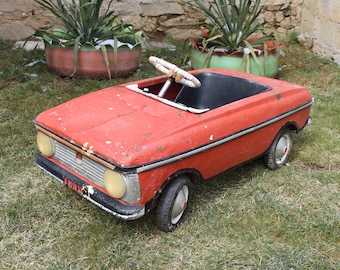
(279, 150)
(173, 203)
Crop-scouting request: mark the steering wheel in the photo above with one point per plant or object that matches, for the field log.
(177, 73)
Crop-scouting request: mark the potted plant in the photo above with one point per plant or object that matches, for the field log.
(231, 38)
(92, 42)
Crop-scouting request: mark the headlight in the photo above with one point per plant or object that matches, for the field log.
(114, 183)
(45, 144)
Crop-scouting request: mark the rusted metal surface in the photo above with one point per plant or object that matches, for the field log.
(135, 131)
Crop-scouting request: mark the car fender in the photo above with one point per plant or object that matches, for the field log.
(194, 175)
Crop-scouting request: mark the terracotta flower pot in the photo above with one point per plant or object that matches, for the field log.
(91, 63)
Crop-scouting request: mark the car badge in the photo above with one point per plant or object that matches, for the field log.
(79, 158)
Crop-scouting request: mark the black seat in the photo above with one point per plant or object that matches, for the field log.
(217, 90)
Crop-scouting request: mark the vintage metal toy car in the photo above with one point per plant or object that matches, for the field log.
(135, 146)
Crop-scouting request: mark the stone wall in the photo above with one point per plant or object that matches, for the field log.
(320, 23)
(282, 15)
(19, 19)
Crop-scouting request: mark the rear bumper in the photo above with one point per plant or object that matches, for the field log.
(89, 192)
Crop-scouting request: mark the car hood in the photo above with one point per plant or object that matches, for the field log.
(124, 127)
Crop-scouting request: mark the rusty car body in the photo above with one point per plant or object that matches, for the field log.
(129, 148)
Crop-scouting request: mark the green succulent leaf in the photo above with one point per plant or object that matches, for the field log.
(86, 22)
(232, 22)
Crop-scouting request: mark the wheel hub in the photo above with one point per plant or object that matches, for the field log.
(180, 204)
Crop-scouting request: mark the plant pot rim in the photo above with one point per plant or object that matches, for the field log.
(91, 48)
(271, 49)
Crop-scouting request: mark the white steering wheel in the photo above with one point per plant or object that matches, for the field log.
(177, 73)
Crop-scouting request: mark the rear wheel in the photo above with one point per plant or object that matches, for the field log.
(173, 203)
(279, 150)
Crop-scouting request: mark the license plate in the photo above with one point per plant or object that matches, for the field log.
(72, 185)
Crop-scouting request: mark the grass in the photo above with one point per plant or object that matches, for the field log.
(249, 218)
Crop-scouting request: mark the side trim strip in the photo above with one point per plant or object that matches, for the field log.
(221, 141)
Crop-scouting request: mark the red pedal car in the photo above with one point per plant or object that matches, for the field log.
(139, 145)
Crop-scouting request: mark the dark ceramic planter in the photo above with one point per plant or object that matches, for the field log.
(91, 63)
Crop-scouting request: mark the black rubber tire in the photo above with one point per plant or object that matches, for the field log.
(279, 150)
(180, 189)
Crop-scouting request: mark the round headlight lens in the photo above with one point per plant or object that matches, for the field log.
(45, 144)
(114, 183)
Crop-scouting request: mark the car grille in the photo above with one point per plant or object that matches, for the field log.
(82, 165)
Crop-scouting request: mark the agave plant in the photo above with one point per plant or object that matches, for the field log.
(233, 29)
(87, 26)
(232, 23)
